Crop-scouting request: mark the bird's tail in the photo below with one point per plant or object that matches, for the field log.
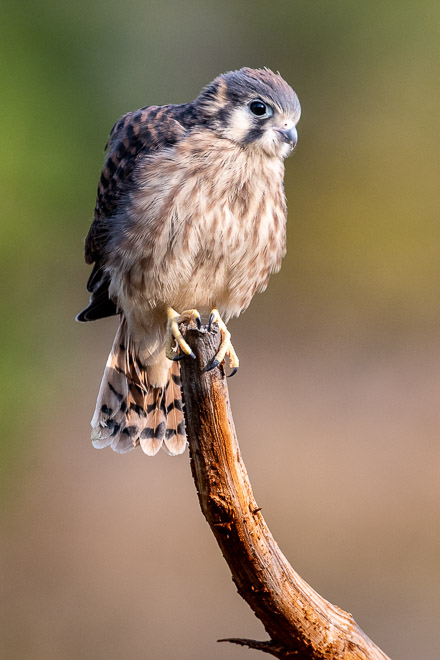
(130, 412)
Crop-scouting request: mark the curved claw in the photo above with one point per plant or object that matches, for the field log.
(182, 355)
(225, 349)
(233, 372)
(210, 367)
(174, 339)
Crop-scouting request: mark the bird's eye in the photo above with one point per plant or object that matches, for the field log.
(260, 109)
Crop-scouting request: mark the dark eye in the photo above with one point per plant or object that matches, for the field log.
(260, 109)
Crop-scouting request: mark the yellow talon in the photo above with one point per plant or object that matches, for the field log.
(174, 338)
(226, 349)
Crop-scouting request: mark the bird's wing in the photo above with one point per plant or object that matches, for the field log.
(134, 136)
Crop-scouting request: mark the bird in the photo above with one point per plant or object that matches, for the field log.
(190, 220)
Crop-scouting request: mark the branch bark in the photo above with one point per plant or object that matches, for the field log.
(300, 623)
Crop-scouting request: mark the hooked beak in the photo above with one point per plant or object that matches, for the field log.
(289, 135)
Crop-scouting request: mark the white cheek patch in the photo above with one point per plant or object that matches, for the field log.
(240, 123)
(271, 143)
(268, 140)
(285, 149)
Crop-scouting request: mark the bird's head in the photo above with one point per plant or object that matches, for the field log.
(255, 108)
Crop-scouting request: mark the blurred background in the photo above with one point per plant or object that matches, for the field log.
(108, 556)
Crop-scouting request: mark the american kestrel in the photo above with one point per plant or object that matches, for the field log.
(190, 216)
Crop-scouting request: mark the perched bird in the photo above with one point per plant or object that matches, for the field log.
(190, 216)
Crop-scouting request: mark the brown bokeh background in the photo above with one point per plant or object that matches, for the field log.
(337, 400)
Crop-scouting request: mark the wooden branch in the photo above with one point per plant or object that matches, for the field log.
(300, 623)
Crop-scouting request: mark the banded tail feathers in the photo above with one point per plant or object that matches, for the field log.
(130, 412)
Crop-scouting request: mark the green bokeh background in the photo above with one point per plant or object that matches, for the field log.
(348, 332)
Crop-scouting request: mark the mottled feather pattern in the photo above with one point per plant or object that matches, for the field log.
(190, 213)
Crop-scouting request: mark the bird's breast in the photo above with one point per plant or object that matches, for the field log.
(207, 224)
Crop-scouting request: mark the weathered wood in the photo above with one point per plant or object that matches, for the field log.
(300, 623)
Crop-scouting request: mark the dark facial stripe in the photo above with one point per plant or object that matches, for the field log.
(223, 114)
(254, 134)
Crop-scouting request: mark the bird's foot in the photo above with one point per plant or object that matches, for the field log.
(226, 349)
(174, 338)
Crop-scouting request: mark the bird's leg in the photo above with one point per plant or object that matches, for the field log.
(226, 348)
(174, 339)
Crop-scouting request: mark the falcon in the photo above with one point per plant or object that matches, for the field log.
(190, 220)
